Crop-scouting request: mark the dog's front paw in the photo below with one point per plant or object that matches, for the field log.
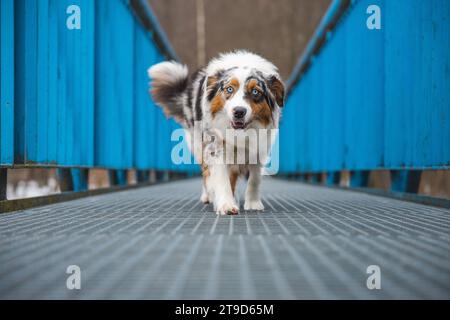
(253, 205)
(227, 208)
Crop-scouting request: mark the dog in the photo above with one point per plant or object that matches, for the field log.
(238, 94)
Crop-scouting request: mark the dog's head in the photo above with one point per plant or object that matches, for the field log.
(244, 91)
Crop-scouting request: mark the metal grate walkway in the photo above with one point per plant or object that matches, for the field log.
(160, 242)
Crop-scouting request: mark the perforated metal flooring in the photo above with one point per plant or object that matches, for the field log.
(160, 242)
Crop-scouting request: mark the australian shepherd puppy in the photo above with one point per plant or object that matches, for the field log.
(237, 95)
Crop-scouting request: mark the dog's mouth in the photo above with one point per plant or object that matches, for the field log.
(237, 124)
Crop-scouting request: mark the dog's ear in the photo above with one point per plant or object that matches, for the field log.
(276, 87)
(213, 84)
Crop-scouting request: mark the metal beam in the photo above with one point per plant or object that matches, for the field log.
(65, 179)
(405, 180)
(359, 178)
(80, 179)
(3, 183)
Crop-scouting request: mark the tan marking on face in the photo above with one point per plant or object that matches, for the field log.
(253, 83)
(261, 110)
(217, 104)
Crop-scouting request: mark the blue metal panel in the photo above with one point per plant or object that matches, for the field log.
(417, 83)
(145, 55)
(54, 76)
(81, 95)
(399, 101)
(364, 97)
(80, 70)
(304, 162)
(163, 149)
(76, 120)
(6, 82)
(372, 98)
(114, 85)
(334, 103)
(144, 116)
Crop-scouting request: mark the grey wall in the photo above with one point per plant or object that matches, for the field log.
(277, 29)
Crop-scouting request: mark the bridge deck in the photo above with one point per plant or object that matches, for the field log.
(160, 242)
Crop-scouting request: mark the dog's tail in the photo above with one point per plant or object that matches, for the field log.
(168, 86)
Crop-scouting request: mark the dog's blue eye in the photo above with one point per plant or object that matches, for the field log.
(255, 93)
(230, 89)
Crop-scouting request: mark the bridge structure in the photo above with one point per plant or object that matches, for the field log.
(362, 97)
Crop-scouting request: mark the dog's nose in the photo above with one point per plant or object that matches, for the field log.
(239, 112)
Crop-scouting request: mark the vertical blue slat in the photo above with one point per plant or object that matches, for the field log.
(334, 102)
(26, 81)
(315, 116)
(397, 69)
(6, 82)
(78, 116)
(440, 83)
(142, 117)
(146, 128)
(53, 62)
(84, 105)
(42, 67)
(19, 77)
(63, 144)
(114, 85)
(30, 79)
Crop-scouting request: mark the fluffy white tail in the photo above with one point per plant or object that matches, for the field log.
(169, 83)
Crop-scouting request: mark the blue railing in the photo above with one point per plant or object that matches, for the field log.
(79, 97)
(366, 99)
